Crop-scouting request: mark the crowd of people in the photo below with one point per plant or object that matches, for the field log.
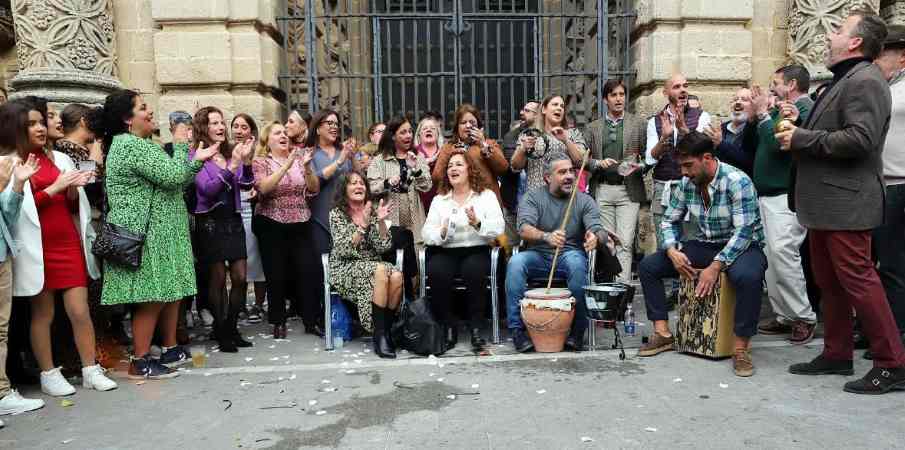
(227, 203)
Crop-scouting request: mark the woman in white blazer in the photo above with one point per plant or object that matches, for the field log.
(54, 235)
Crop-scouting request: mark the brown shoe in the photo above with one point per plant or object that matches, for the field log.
(774, 327)
(741, 363)
(657, 344)
(802, 332)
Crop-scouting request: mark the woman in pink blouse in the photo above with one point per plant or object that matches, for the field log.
(285, 182)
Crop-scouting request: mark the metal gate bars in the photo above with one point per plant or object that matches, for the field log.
(373, 59)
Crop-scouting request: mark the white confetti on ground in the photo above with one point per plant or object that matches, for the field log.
(542, 391)
(321, 412)
(292, 377)
(441, 379)
(325, 381)
(724, 385)
(650, 430)
(249, 359)
(586, 439)
(451, 396)
(677, 380)
(475, 386)
(312, 402)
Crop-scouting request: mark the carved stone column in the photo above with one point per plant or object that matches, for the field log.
(66, 50)
(809, 23)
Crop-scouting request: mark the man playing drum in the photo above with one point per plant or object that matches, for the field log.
(723, 203)
(540, 215)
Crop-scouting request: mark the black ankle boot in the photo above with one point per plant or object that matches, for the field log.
(225, 339)
(382, 345)
(477, 342)
(239, 340)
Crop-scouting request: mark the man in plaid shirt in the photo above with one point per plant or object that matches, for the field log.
(730, 238)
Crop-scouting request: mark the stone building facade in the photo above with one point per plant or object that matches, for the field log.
(184, 54)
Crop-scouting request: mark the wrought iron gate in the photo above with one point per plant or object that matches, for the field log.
(374, 59)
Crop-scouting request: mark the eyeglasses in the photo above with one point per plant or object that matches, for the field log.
(330, 123)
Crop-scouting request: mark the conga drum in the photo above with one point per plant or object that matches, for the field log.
(705, 325)
(548, 315)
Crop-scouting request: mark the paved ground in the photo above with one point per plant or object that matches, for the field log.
(292, 394)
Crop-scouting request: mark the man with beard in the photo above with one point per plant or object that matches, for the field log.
(736, 142)
(839, 197)
(723, 202)
(786, 285)
(664, 130)
(509, 182)
(540, 216)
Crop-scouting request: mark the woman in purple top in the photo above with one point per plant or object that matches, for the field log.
(218, 222)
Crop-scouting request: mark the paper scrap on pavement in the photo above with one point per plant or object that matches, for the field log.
(542, 391)
(249, 359)
(677, 380)
(451, 396)
(724, 385)
(441, 379)
(321, 412)
(312, 402)
(586, 439)
(475, 386)
(650, 430)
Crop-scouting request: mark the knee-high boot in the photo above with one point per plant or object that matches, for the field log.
(382, 344)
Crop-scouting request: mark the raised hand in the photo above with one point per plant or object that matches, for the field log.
(715, 134)
(306, 157)
(785, 137)
(680, 121)
(789, 111)
(477, 135)
(23, 170)
(244, 152)
(666, 127)
(760, 101)
(383, 210)
(411, 160)
(560, 133)
(205, 153)
(472, 217)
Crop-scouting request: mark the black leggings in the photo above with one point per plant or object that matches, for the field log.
(444, 265)
(291, 269)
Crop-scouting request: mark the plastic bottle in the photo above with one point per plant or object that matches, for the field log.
(629, 323)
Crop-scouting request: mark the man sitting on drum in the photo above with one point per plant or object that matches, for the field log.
(540, 216)
(722, 201)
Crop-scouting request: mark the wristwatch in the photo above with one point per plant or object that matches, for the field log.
(546, 237)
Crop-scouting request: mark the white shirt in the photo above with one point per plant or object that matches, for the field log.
(460, 233)
(653, 137)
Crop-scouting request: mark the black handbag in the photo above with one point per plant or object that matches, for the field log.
(120, 246)
(416, 330)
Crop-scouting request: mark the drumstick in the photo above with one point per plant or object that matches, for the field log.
(565, 220)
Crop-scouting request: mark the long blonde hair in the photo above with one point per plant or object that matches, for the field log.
(263, 149)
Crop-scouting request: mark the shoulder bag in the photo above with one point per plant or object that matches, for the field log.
(120, 246)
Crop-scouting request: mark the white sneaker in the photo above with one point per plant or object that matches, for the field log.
(93, 378)
(54, 384)
(207, 319)
(13, 403)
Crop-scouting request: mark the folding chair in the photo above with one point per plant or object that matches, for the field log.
(328, 292)
(459, 285)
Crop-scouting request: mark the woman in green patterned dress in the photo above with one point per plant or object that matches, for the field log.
(144, 186)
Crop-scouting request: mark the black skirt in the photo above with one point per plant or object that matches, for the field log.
(220, 236)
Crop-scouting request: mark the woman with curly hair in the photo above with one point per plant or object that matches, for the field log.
(144, 194)
(360, 236)
(465, 217)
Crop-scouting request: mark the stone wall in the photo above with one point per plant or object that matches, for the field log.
(217, 52)
(135, 36)
(710, 42)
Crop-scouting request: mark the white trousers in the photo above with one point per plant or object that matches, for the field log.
(786, 285)
(619, 215)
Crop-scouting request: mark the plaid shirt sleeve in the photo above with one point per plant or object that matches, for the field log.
(671, 226)
(744, 220)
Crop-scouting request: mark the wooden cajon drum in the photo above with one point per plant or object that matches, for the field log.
(705, 325)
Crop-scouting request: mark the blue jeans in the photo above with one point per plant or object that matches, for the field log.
(746, 274)
(528, 264)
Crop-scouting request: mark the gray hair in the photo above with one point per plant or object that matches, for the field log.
(553, 159)
(872, 31)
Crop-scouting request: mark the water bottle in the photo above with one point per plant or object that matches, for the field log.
(629, 323)
(337, 340)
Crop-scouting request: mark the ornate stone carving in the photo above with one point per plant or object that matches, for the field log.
(66, 50)
(65, 34)
(809, 23)
(893, 12)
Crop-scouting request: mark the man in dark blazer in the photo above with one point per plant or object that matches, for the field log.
(613, 139)
(839, 197)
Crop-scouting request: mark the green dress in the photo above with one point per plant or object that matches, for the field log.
(139, 172)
